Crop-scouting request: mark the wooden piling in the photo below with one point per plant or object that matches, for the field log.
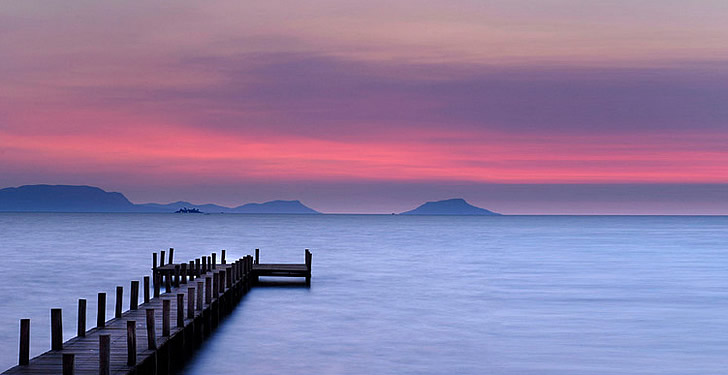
(204, 264)
(176, 276)
(197, 267)
(119, 297)
(81, 325)
(200, 288)
(104, 354)
(101, 311)
(180, 310)
(134, 295)
(154, 261)
(190, 303)
(257, 256)
(183, 269)
(131, 347)
(171, 255)
(222, 257)
(191, 270)
(151, 333)
(165, 317)
(68, 363)
(56, 330)
(161, 258)
(24, 351)
(215, 282)
(208, 290)
(146, 289)
(214, 261)
(167, 284)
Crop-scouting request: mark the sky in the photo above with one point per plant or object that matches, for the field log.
(519, 106)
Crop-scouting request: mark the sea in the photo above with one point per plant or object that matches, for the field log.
(498, 295)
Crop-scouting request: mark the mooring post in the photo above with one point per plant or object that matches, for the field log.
(229, 278)
(101, 311)
(180, 310)
(191, 271)
(222, 257)
(104, 354)
(199, 291)
(190, 303)
(167, 283)
(214, 260)
(204, 265)
(56, 330)
(165, 317)
(197, 267)
(131, 347)
(176, 276)
(157, 283)
(154, 261)
(151, 333)
(134, 295)
(146, 289)
(68, 359)
(119, 297)
(184, 273)
(215, 282)
(208, 290)
(171, 255)
(24, 351)
(308, 267)
(161, 258)
(81, 325)
(257, 256)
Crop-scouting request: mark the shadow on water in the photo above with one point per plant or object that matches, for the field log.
(278, 283)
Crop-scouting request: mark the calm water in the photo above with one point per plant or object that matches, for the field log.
(406, 295)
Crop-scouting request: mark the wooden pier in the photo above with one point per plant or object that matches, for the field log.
(183, 304)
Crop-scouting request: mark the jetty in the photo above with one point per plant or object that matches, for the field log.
(182, 304)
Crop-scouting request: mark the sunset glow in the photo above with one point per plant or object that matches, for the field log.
(147, 98)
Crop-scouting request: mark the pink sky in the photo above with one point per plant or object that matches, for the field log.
(228, 103)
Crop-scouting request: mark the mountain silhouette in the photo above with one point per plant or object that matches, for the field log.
(456, 206)
(73, 198)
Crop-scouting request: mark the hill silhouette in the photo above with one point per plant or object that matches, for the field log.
(456, 206)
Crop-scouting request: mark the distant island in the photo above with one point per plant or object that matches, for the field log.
(74, 198)
(456, 206)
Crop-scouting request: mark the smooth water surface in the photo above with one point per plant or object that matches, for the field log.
(405, 295)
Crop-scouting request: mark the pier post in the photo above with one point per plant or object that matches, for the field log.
(81, 325)
(165, 317)
(131, 347)
(197, 267)
(161, 258)
(204, 264)
(222, 257)
(68, 366)
(191, 270)
(180, 310)
(104, 354)
(200, 288)
(146, 289)
(119, 297)
(183, 279)
(154, 261)
(24, 350)
(257, 256)
(229, 278)
(190, 303)
(215, 282)
(208, 290)
(308, 267)
(134, 295)
(151, 333)
(176, 276)
(157, 282)
(171, 255)
(101, 311)
(167, 283)
(56, 330)
(214, 260)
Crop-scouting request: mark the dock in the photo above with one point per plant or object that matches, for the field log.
(182, 304)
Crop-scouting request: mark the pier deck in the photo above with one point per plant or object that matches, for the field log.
(166, 328)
